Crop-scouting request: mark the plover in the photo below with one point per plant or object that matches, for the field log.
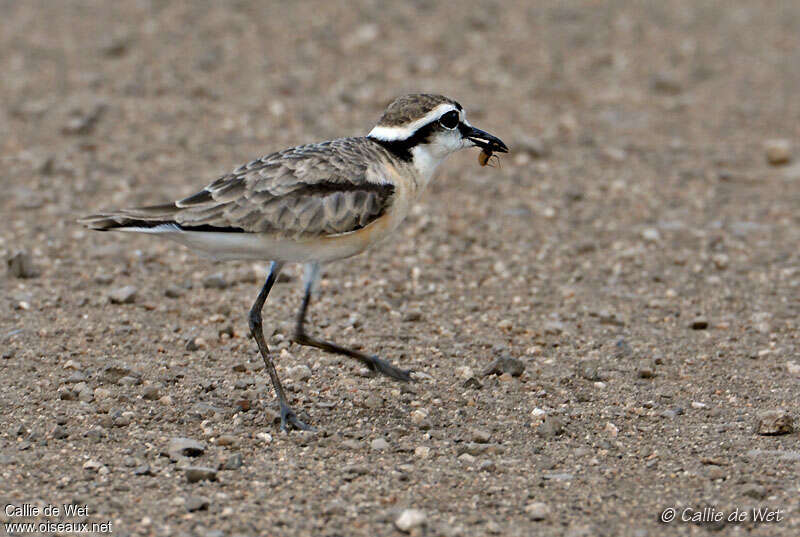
(313, 204)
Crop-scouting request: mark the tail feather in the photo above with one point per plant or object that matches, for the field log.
(152, 219)
(139, 217)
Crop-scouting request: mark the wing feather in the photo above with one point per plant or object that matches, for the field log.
(311, 190)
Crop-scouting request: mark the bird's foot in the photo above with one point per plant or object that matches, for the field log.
(385, 368)
(289, 418)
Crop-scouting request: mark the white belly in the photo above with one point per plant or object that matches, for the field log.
(268, 247)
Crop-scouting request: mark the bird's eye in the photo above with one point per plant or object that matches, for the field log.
(449, 120)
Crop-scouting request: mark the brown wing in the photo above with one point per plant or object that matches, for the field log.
(310, 190)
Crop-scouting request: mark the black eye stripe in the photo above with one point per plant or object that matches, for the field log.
(449, 120)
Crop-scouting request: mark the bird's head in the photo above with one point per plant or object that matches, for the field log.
(424, 129)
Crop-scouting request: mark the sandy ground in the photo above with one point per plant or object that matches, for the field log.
(636, 254)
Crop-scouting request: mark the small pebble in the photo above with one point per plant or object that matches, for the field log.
(129, 381)
(672, 413)
(419, 415)
(116, 45)
(227, 440)
(374, 401)
(196, 344)
(410, 519)
(589, 369)
(76, 377)
(465, 372)
(778, 151)
(553, 328)
(151, 392)
(123, 295)
(200, 473)
(234, 462)
(550, 427)
(122, 421)
(505, 364)
(18, 430)
(466, 458)
(379, 444)
(757, 492)
(537, 510)
(196, 503)
(215, 281)
(699, 323)
(183, 447)
(472, 383)
(173, 291)
(422, 452)
(480, 436)
(412, 316)
(20, 265)
(300, 373)
(104, 279)
(144, 469)
(82, 121)
(92, 465)
(651, 234)
(774, 423)
(112, 373)
(645, 370)
(721, 261)
(487, 466)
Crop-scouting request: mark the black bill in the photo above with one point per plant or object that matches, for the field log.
(483, 139)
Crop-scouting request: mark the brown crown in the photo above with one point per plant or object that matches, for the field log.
(411, 107)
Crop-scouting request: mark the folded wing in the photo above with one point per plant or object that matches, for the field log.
(312, 190)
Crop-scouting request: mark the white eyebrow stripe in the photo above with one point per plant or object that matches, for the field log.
(402, 132)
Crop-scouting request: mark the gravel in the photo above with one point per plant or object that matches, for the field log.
(638, 196)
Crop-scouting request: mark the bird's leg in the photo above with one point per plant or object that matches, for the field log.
(288, 417)
(372, 362)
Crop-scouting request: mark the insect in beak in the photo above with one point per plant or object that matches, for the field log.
(485, 156)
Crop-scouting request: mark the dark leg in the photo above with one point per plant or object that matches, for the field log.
(373, 362)
(288, 416)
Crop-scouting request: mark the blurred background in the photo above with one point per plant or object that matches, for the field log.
(643, 232)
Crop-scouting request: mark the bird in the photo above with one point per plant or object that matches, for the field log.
(314, 204)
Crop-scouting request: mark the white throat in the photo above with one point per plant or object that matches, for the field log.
(426, 162)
